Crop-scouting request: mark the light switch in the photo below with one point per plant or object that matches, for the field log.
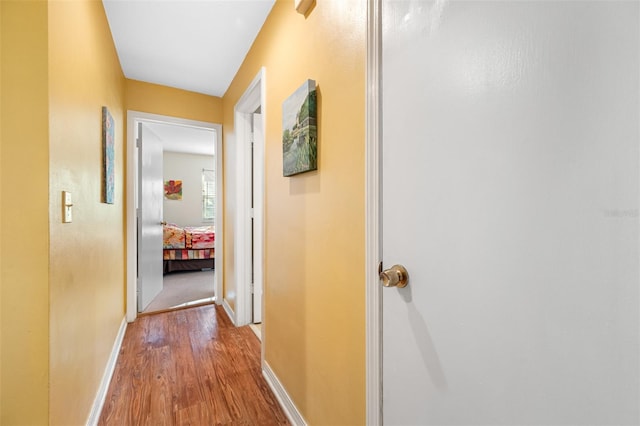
(67, 205)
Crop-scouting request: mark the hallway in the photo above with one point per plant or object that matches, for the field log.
(190, 366)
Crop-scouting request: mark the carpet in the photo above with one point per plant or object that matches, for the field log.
(183, 289)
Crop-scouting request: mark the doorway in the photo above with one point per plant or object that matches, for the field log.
(249, 214)
(187, 164)
(209, 215)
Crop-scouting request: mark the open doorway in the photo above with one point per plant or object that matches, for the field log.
(249, 120)
(188, 216)
(173, 213)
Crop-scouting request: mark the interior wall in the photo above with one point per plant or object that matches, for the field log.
(87, 267)
(24, 240)
(188, 168)
(314, 321)
(163, 100)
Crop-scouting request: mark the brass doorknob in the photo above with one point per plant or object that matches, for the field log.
(396, 276)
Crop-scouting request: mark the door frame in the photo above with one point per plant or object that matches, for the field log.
(373, 258)
(133, 117)
(252, 99)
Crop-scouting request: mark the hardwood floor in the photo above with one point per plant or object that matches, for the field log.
(190, 367)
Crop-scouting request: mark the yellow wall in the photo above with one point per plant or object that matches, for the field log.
(314, 222)
(24, 240)
(0, 212)
(87, 266)
(155, 99)
(62, 295)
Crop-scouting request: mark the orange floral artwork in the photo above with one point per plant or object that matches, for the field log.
(173, 189)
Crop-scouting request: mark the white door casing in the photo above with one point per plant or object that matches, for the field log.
(258, 200)
(150, 281)
(510, 192)
(132, 176)
(252, 100)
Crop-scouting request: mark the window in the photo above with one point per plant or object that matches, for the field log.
(208, 195)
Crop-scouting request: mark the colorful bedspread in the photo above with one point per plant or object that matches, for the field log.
(189, 237)
(200, 237)
(173, 237)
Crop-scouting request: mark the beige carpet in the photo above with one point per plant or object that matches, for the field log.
(182, 289)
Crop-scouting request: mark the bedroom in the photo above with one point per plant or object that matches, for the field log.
(188, 212)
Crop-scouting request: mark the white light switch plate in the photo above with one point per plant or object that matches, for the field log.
(68, 216)
(67, 205)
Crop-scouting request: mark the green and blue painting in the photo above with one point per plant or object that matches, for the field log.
(300, 131)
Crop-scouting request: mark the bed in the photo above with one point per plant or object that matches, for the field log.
(187, 248)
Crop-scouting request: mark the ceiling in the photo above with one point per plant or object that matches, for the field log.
(194, 45)
(184, 139)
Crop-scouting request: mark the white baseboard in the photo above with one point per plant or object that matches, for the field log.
(229, 311)
(282, 396)
(98, 402)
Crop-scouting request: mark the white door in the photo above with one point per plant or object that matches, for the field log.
(150, 216)
(256, 206)
(510, 194)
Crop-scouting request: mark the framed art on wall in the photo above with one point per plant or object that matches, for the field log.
(108, 157)
(299, 131)
(173, 189)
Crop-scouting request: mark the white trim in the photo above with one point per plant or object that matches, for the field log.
(219, 220)
(98, 402)
(289, 408)
(257, 331)
(242, 242)
(257, 309)
(132, 234)
(132, 196)
(372, 220)
(252, 99)
(229, 311)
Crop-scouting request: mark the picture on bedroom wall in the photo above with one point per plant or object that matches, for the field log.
(173, 189)
(299, 131)
(108, 156)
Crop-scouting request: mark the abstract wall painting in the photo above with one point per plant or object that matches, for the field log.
(299, 130)
(108, 157)
(173, 189)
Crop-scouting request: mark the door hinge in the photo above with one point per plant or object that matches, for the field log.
(138, 142)
(251, 287)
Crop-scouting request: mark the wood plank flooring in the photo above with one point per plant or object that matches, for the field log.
(190, 367)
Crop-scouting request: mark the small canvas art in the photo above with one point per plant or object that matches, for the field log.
(173, 189)
(108, 157)
(299, 131)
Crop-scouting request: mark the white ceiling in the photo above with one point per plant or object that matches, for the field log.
(195, 45)
(184, 139)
